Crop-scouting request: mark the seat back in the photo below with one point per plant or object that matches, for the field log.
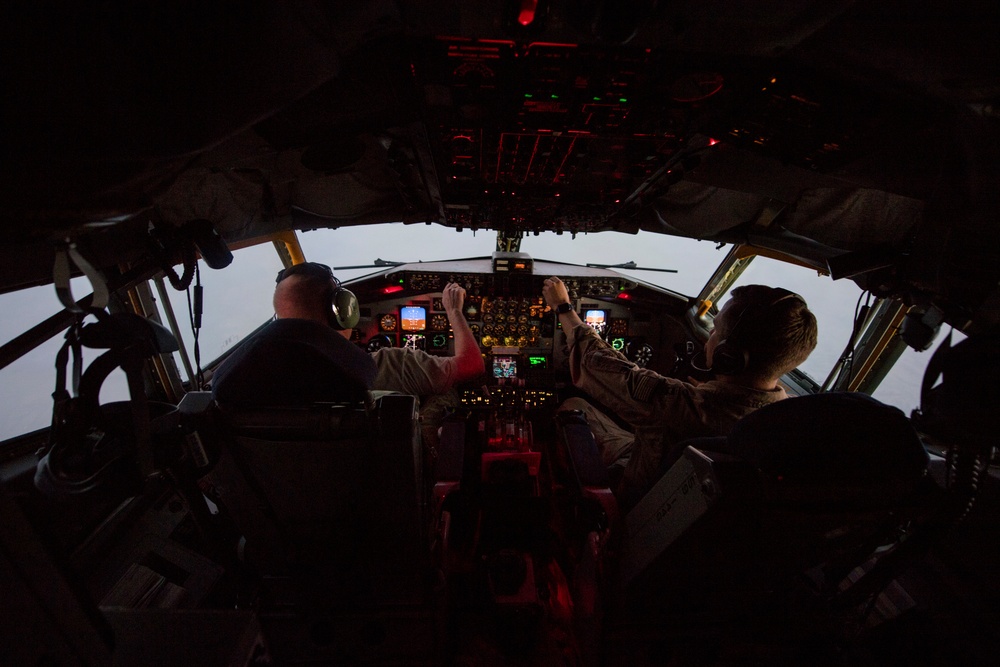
(331, 495)
(810, 482)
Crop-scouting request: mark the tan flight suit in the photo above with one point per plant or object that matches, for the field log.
(662, 411)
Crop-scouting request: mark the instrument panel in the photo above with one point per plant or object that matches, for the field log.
(519, 336)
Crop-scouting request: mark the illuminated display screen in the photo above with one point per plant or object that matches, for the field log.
(413, 318)
(597, 319)
(538, 362)
(439, 341)
(504, 367)
(414, 341)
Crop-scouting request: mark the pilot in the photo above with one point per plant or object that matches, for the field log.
(305, 356)
(760, 334)
(415, 372)
(301, 357)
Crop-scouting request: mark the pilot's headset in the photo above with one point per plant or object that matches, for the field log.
(341, 304)
(731, 357)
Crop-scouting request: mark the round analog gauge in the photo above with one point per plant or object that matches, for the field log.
(474, 328)
(488, 318)
(523, 319)
(387, 322)
(487, 341)
(522, 329)
(512, 319)
(377, 342)
(439, 322)
(487, 329)
(522, 341)
(471, 311)
(439, 341)
(509, 341)
(640, 353)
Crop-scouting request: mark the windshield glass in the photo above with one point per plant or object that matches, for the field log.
(692, 260)
(237, 299)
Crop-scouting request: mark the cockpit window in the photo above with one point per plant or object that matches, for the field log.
(692, 260)
(901, 386)
(26, 384)
(237, 300)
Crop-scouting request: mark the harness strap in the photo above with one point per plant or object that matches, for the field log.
(66, 254)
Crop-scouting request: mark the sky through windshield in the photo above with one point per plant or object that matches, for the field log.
(238, 298)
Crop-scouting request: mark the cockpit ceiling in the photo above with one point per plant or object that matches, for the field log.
(817, 128)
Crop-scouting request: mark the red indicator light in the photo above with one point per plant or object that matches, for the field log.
(391, 289)
(527, 13)
(624, 295)
(712, 142)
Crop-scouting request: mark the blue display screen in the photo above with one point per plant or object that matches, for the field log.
(413, 318)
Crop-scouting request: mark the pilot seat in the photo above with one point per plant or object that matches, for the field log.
(799, 515)
(331, 503)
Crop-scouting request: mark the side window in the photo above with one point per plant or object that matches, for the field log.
(901, 387)
(26, 385)
(237, 300)
(832, 302)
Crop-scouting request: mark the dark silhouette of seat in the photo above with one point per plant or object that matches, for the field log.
(799, 495)
(330, 498)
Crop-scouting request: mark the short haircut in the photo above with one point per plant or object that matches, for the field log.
(313, 288)
(773, 325)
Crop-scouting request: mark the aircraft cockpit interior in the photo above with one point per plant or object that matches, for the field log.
(640, 165)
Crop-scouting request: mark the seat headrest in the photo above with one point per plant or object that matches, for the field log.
(316, 422)
(963, 405)
(836, 437)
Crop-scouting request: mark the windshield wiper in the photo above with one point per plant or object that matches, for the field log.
(629, 265)
(378, 263)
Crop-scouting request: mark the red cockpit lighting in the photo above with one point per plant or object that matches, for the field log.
(391, 289)
(527, 13)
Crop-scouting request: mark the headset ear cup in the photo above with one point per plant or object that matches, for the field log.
(346, 310)
(727, 359)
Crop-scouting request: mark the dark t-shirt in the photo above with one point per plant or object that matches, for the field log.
(294, 362)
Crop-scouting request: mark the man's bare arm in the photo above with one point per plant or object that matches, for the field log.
(468, 360)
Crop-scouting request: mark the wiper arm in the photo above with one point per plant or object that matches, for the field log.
(630, 265)
(378, 263)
